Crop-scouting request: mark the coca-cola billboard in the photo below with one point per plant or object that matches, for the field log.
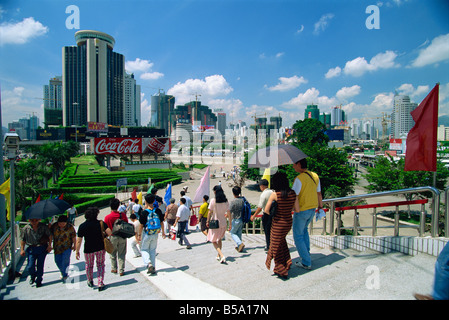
(131, 145)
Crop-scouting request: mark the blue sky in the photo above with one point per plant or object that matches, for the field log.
(246, 57)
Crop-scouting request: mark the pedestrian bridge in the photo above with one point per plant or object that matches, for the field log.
(343, 268)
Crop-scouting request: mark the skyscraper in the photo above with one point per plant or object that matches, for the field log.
(53, 102)
(401, 119)
(162, 109)
(312, 112)
(93, 77)
(132, 116)
(221, 122)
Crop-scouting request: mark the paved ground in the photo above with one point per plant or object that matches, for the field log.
(196, 275)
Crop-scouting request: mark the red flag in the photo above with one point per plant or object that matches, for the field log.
(134, 195)
(421, 152)
(38, 199)
(60, 197)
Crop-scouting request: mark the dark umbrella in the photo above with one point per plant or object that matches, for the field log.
(274, 156)
(46, 208)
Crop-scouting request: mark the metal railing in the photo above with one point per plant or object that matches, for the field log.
(334, 213)
(435, 208)
(6, 248)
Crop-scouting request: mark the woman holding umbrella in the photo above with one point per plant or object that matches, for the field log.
(285, 199)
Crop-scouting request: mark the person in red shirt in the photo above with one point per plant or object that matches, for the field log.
(119, 253)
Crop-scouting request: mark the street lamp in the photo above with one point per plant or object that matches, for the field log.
(12, 140)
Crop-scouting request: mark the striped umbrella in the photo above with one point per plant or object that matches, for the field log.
(274, 156)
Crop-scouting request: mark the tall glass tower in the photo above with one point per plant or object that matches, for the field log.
(93, 77)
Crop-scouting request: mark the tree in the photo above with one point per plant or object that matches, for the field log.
(388, 174)
(56, 154)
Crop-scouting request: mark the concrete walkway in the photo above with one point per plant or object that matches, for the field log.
(196, 275)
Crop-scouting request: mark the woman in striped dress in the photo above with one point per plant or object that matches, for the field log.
(281, 225)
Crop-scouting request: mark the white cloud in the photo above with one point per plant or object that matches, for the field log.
(138, 65)
(151, 75)
(311, 96)
(359, 66)
(21, 32)
(232, 107)
(286, 84)
(409, 90)
(17, 103)
(142, 65)
(279, 55)
(323, 23)
(348, 92)
(211, 87)
(333, 72)
(437, 51)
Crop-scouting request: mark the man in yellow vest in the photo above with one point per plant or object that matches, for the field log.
(308, 189)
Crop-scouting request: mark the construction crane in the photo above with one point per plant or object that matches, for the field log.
(256, 116)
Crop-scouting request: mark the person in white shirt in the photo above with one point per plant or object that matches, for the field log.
(182, 217)
(189, 204)
(136, 208)
(135, 243)
(266, 218)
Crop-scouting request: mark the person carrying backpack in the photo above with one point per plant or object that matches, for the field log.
(237, 209)
(119, 253)
(150, 227)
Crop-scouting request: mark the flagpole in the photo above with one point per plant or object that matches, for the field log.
(2, 175)
(438, 111)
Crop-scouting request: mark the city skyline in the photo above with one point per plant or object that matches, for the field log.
(244, 57)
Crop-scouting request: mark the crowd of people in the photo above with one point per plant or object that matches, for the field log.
(216, 216)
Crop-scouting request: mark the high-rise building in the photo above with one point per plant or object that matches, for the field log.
(401, 119)
(338, 116)
(221, 122)
(93, 77)
(162, 113)
(25, 127)
(53, 102)
(325, 118)
(312, 112)
(276, 122)
(132, 116)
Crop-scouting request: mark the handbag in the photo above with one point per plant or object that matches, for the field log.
(123, 229)
(213, 224)
(193, 221)
(108, 246)
(273, 208)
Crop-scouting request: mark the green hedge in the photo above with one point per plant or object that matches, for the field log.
(133, 178)
(105, 189)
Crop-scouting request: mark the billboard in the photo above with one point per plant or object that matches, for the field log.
(202, 128)
(97, 127)
(131, 145)
(395, 144)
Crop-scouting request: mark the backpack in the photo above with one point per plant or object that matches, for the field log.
(138, 213)
(153, 222)
(246, 211)
(123, 229)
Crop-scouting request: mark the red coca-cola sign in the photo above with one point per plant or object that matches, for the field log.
(117, 145)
